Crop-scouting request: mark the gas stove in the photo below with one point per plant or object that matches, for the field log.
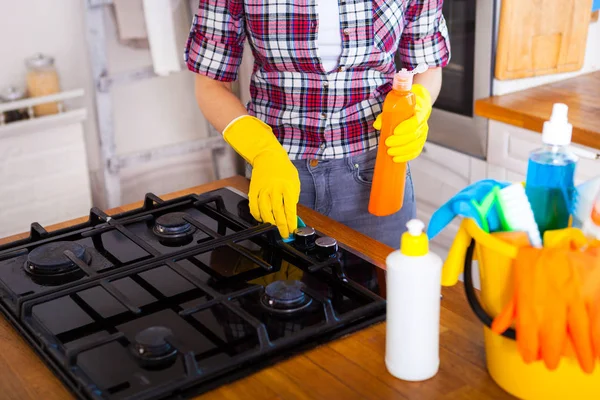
(178, 297)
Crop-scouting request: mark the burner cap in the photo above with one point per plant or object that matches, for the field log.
(173, 230)
(285, 297)
(152, 349)
(49, 261)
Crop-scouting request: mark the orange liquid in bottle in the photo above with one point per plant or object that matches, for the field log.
(389, 179)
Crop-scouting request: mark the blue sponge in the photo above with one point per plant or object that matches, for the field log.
(301, 224)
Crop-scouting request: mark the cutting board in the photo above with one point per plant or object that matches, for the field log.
(541, 37)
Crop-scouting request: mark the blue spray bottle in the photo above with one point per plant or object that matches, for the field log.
(550, 173)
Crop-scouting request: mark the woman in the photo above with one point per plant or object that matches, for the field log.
(321, 72)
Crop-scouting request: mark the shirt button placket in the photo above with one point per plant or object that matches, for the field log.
(322, 130)
(323, 125)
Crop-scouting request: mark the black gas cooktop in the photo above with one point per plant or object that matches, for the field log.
(177, 297)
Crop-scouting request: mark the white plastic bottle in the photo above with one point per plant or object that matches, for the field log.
(413, 307)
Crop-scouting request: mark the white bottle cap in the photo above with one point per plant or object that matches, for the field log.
(558, 131)
(415, 227)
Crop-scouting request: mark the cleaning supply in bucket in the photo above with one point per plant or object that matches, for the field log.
(550, 173)
(413, 307)
(495, 259)
(389, 178)
(588, 267)
(516, 213)
(549, 308)
(474, 201)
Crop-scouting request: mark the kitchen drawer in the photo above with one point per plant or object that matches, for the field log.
(438, 173)
(44, 172)
(504, 174)
(441, 244)
(509, 148)
(445, 238)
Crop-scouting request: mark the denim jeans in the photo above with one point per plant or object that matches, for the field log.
(340, 189)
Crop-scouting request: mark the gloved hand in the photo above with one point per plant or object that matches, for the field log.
(549, 307)
(410, 136)
(275, 184)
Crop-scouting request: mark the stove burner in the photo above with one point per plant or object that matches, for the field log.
(285, 297)
(152, 349)
(173, 230)
(48, 264)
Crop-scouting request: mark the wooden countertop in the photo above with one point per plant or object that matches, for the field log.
(530, 108)
(350, 368)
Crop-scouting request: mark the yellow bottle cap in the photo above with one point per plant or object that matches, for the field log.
(415, 242)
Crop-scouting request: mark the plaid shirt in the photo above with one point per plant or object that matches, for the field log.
(315, 114)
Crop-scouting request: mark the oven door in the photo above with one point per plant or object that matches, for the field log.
(467, 77)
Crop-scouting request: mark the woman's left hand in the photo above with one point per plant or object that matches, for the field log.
(410, 136)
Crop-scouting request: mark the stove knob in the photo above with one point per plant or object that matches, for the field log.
(326, 247)
(305, 237)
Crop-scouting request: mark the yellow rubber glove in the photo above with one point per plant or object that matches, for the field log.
(410, 136)
(275, 184)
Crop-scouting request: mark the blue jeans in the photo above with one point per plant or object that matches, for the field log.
(340, 189)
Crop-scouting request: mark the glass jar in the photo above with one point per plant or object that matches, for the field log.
(9, 94)
(42, 80)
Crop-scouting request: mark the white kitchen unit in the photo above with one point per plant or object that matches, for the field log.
(508, 151)
(438, 174)
(44, 174)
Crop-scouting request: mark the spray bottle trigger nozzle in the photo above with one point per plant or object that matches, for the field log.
(420, 69)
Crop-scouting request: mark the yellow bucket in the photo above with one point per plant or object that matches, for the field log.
(505, 365)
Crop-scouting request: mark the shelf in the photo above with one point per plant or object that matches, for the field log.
(45, 122)
(76, 115)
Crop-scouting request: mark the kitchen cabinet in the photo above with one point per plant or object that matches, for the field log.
(438, 174)
(508, 151)
(44, 171)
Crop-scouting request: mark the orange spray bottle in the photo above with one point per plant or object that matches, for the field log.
(387, 190)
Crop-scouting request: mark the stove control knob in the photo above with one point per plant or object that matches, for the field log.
(305, 237)
(326, 247)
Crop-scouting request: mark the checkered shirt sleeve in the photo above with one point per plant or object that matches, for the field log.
(425, 35)
(216, 41)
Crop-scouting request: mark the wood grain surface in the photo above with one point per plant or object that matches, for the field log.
(541, 37)
(530, 108)
(349, 368)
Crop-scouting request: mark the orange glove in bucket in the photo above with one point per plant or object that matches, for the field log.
(587, 266)
(548, 308)
(585, 257)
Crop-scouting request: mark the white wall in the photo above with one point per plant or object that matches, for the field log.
(147, 114)
(591, 64)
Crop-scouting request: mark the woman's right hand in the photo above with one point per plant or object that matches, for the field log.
(275, 184)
